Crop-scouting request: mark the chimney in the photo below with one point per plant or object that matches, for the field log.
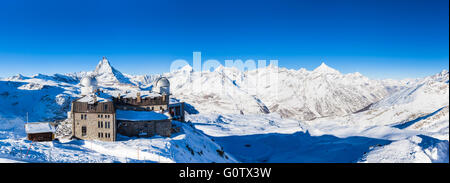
(138, 97)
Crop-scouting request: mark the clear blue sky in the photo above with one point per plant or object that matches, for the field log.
(378, 38)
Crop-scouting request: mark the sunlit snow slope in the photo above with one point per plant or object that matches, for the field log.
(245, 116)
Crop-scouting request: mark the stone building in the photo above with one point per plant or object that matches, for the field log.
(143, 123)
(94, 118)
(100, 116)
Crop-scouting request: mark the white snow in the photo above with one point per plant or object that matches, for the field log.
(301, 116)
(139, 115)
(91, 98)
(39, 127)
(133, 94)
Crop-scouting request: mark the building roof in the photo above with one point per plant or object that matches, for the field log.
(92, 97)
(39, 127)
(162, 82)
(88, 81)
(139, 115)
(133, 94)
(173, 101)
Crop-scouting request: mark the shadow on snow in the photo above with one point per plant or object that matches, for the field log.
(299, 147)
(409, 123)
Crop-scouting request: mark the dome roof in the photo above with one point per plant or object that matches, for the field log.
(89, 81)
(161, 86)
(162, 82)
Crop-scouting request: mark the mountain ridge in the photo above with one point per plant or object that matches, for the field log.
(299, 94)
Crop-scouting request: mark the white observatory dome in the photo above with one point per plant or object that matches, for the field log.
(88, 85)
(88, 81)
(162, 86)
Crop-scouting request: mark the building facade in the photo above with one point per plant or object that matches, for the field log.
(94, 120)
(143, 114)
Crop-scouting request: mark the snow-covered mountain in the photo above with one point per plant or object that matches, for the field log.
(290, 115)
(298, 94)
(107, 74)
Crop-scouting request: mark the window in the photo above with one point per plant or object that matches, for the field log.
(98, 124)
(106, 107)
(83, 130)
(101, 124)
(85, 117)
(82, 116)
(98, 134)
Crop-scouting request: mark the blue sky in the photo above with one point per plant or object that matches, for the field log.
(378, 38)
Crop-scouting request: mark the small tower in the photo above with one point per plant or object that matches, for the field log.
(162, 86)
(138, 97)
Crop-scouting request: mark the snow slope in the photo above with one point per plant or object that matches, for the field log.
(268, 114)
(189, 145)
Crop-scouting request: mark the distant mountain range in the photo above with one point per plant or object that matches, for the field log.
(298, 94)
(270, 114)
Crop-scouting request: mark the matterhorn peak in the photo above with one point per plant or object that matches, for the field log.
(108, 74)
(324, 68)
(103, 66)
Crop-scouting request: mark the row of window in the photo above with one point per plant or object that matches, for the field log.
(148, 108)
(152, 101)
(106, 116)
(107, 124)
(84, 116)
(100, 134)
(94, 106)
(106, 135)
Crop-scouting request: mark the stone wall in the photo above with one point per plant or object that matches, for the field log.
(142, 107)
(92, 129)
(144, 128)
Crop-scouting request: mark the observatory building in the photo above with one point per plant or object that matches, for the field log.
(100, 116)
